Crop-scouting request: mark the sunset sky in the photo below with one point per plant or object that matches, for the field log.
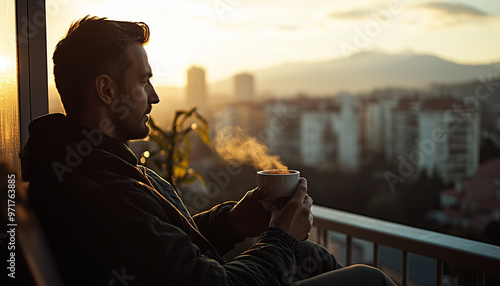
(230, 36)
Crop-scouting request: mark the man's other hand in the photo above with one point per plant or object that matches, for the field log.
(248, 218)
(295, 217)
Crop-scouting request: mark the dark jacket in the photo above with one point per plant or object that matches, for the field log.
(110, 221)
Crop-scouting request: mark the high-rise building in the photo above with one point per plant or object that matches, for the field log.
(401, 130)
(282, 130)
(196, 88)
(330, 134)
(456, 154)
(374, 113)
(319, 141)
(244, 86)
(347, 127)
(434, 138)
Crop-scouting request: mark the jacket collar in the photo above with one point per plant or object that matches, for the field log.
(52, 133)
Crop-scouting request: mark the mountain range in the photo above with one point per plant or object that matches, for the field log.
(361, 72)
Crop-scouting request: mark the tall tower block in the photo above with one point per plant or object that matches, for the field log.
(196, 88)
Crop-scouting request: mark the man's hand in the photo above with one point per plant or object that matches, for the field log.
(295, 217)
(248, 218)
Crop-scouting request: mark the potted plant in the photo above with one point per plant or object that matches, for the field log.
(171, 158)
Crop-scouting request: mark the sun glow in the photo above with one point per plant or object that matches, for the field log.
(252, 35)
(6, 63)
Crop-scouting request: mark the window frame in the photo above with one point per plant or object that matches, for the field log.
(31, 31)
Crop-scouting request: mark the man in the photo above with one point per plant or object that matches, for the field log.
(111, 221)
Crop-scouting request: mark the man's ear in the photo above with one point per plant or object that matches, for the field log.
(106, 89)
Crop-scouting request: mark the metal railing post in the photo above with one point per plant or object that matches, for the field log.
(480, 278)
(375, 254)
(439, 272)
(404, 269)
(348, 250)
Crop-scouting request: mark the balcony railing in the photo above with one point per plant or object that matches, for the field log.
(482, 257)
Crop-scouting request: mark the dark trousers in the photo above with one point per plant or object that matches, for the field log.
(318, 267)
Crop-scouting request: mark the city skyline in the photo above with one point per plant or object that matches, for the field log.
(228, 37)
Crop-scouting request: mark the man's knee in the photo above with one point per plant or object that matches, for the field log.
(312, 248)
(372, 274)
(313, 251)
(352, 275)
(315, 260)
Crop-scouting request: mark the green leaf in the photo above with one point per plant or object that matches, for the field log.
(188, 114)
(181, 158)
(176, 117)
(187, 144)
(204, 136)
(201, 119)
(180, 171)
(185, 132)
(199, 177)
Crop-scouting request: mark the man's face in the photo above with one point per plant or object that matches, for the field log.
(136, 97)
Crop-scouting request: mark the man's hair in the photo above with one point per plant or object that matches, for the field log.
(93, 46)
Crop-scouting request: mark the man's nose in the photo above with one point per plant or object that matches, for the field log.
(152, 95)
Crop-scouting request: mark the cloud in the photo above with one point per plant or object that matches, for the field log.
(354, 14)
(454, 9)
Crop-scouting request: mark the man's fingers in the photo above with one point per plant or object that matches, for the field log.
(308, 201)
(301, 192)
(258, 194)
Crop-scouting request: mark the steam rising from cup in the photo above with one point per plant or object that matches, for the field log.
(234, 146)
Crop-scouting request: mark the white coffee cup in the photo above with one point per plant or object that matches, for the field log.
(281, 184)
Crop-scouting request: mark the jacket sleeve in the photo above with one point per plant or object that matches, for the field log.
(214, 226)
(175, 258)
(122, 235)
